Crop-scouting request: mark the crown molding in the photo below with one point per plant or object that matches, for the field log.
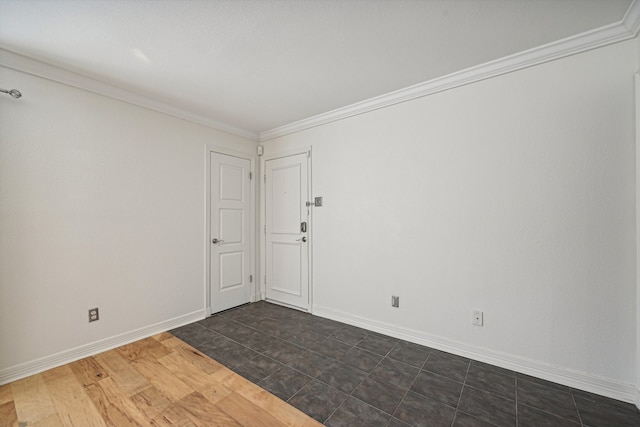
(625, 29)
(631, 19)
(31, 66)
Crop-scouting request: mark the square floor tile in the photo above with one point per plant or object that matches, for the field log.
(377, 344)
(258, 368)
(493, 368)
(311, 363)
(438, 388)
(343, 377)
(438, 354)
(394, 422)
(196, 334)
(305, 338)
(447, 366)
(532, 417)
(285, 382)
(324, 327)
(242, 316)
(221, 325)
(229, 353)
(355, 413)
(331, 348)
(350, 335)
(548, 399)
(381, 395)
(259, 342)
(410, 353)
(318, 400)
(603, 415)
(419, 411)
(542, 382)
(283, 351)
(465, 420)
(492, 381)
(395, 372)
(488, 407)
(361, 359)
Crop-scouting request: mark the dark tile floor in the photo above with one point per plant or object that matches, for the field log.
(346, 376)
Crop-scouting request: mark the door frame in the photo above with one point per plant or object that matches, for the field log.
(637, 141)
(272, 155)
(212, 148)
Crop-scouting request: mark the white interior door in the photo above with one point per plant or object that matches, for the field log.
(287, 230)
(230, 239)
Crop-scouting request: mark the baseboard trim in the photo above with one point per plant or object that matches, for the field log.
(36, 366)
(638, 398)
(579, 380)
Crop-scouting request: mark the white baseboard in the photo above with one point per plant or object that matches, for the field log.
(579, 380)
(638, 397)
(32, 367)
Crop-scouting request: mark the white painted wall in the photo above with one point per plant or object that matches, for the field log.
(514, 196)
(102, 204)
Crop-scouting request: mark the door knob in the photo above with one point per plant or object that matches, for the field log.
(303, 239)
(215, 240)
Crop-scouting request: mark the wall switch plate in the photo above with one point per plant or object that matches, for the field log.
(477, 318)
(93, 315)
(395, 301)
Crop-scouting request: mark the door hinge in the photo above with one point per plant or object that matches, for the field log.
(265, 229)
(265, 178)
(250, 175)
(265, 280)
(251, 278)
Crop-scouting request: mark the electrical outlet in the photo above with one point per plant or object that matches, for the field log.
(395, 301)
(477, 318)
(93, 314)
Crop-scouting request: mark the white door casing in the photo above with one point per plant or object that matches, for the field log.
(230, 231)
(287, 243)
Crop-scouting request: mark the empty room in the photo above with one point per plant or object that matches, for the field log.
(319, 212)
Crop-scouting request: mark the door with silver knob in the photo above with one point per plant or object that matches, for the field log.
(287, 230)
(230, 262)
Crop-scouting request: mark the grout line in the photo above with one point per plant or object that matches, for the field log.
(464, 383)
(516, 398)
(573, 399)
(337, 407)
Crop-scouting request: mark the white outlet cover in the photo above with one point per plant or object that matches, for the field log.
(477, 318)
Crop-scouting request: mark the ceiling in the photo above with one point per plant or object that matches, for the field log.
(258, 65)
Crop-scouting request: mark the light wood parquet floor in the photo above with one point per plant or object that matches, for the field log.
(158, 381)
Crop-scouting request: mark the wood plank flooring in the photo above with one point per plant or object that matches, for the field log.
(158, 381)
